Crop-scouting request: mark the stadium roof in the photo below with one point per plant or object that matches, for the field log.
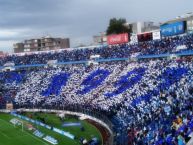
(185, 17)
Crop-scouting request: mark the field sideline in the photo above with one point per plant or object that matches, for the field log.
(10, 135)
(14, 135)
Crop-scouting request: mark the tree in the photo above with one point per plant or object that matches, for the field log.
(117, 26)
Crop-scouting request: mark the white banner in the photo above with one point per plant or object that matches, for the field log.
(156, 35)
(133, 39)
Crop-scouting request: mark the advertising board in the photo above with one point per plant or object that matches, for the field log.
(172, 29)
(118, 39)
(133, 38)
(156, 35)
(145, 37)
(190, 25)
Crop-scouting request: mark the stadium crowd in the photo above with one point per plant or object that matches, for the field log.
(145, 97)
(148, 101)
(166, 45)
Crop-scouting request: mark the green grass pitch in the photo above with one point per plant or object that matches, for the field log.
(10, 135)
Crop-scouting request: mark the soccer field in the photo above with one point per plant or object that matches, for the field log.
(10, 135)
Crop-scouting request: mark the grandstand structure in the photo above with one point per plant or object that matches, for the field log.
(141, 92)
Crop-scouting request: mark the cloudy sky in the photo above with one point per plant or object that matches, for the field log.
(77, 19)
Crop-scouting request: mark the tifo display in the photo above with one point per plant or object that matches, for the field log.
(148, 100)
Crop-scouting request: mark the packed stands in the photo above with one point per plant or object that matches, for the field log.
(166, 45)
(149, 101)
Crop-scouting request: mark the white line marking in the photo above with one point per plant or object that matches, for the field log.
(27, 133)
(35, 137)
(4, 135)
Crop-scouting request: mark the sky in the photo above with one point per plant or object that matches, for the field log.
(78, 20)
